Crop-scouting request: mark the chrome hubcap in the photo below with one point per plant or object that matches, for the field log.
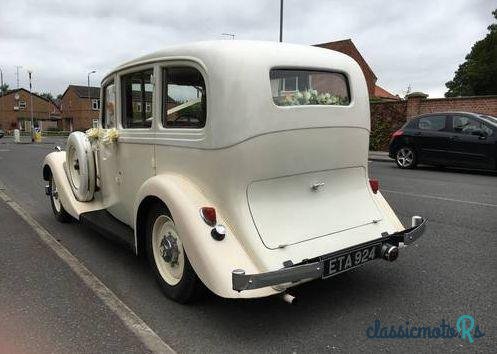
(169, 249)
(405, 157)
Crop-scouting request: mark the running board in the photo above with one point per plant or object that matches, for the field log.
(108, 226)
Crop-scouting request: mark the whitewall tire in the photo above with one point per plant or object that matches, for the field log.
(80, 165)
(168, 259)
(58, 209)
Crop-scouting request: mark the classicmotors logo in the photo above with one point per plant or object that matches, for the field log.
(465, 329)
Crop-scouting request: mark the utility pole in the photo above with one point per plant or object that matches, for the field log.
(1, 92)
(17, 74)
(31, 104)
(89, 97)
(281, 20)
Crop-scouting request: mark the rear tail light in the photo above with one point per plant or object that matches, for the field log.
(375, 185)
(208, 214)
(397, 133)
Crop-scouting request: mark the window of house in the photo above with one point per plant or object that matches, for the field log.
(467, 125)
(95, 104)
(137, 91)
(435, 123)
(293, 87)
(184, 98)
(109, 112)
(22, 104)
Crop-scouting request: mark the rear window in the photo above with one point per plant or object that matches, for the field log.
(290, 87)
(435, 123)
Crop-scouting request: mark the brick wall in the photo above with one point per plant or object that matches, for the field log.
(478, 104)
(43, 110)
(77, 111)
(387, 117)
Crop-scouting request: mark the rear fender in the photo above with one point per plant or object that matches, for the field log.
(212, 260)
(53, 165)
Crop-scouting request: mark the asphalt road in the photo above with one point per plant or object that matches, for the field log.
(450, 272)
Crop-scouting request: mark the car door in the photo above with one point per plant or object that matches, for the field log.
(128, 162)
(472, 142)
(431, 138)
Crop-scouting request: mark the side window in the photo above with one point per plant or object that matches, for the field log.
(184, 101)
(433, 123)
(109, 101)
(137, 92)
(467, 125)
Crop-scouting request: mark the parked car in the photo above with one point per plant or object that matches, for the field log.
(459, 139)
(232, 168)
(2, 133)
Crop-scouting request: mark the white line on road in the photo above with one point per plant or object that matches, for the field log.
(440, 198)
(130, 319)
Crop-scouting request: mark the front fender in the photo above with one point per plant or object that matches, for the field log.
(212, 260)
(55, 162)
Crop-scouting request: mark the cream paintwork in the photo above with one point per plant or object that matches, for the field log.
(246, 139)
(56, 161)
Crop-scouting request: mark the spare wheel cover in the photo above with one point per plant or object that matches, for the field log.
(80, 166)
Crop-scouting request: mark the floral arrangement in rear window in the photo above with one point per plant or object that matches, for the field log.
(310, 97)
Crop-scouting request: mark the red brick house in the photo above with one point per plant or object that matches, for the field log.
(80, 107)
(346, 46)
(15, 111)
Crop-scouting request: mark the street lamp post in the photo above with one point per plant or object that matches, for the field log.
(89, 97)
(31, 104)
(281, 20)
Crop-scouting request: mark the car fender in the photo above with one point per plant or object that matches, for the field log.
(212, 260)
(54, 164)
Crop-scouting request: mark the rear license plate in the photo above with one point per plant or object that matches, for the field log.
(348, 260)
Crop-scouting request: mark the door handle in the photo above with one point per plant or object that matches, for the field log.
(454, 137)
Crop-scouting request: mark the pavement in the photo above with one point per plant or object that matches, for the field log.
(451, 271)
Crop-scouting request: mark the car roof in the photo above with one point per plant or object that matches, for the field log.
(224, 52)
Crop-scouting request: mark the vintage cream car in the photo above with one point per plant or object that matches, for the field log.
(239, 165)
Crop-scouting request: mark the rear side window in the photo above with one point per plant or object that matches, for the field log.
(291, 87)
(137, 92)
(434, 123)
(184, 99)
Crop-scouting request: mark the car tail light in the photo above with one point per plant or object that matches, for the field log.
(375, 185)
(208, 214)
(397, 133)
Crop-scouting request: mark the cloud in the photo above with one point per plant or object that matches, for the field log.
(417, 43)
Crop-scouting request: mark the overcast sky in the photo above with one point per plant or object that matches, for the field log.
(417, 43)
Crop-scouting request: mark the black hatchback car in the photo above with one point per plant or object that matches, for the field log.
(458, 139)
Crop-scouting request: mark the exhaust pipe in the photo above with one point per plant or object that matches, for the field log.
(389, 252)
(290, 299)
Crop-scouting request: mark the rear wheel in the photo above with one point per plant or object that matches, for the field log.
(168, 259)
(59, 212)
(406, 157)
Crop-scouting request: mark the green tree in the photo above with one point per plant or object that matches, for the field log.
(478, 74)
(46, 95)
(4, 88)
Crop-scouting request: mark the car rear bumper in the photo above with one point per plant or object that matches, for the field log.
(313, 269)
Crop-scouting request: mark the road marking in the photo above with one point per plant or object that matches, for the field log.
(130, 319)
(440, 198)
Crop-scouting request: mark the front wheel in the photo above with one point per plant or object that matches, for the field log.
(58, 209)
(168, 259)
(406, 157)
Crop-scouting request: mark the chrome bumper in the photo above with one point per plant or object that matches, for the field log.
(314, 268)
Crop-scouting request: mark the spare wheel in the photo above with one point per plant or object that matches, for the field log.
(80, 166)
